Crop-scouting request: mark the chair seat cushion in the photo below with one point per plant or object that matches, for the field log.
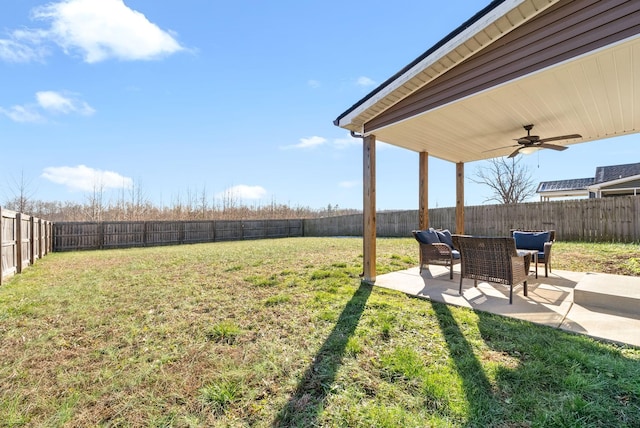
(525, 252)
(531, 240)
(455, 254)
(427, 237)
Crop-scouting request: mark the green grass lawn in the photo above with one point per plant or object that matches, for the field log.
(615, 258)
(283, 333)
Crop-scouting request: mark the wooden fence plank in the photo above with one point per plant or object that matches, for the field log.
(603, 220)
(71, 236)
(21, 242)
(8, 243)
(607, 219)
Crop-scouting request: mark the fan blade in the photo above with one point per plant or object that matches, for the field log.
(552, 147)
(515, 153)
(498, 148)
(561, 137)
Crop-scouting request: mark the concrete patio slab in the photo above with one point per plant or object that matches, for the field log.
(602, 291)
(550, 300)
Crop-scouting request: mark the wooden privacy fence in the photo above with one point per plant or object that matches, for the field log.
(70, 236)
(23, 240)
(612, 219)
(388, 224)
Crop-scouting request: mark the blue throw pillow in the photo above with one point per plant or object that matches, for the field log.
(531, 240)
(427, 237)
(445, 237)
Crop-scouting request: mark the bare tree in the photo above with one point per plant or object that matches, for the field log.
(95, 206)
(138, 201)
(191, 204)
(203, 203)
(22, 195)
(510, 181)
(177, 209)
(230, 203)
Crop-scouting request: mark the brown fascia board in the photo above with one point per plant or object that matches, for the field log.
(491, 6)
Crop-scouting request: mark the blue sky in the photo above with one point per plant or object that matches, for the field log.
(230, 99)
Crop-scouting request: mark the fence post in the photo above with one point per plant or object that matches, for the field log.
(32, 241)
(101, 235)
(1, 244)
(49, 233)
(38, 247)
(19, 243)
(42, 237)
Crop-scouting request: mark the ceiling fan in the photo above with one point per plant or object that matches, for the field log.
(534, 142)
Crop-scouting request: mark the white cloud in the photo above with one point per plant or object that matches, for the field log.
(347, 141)
(96, 30)
(307, 142)
(349, 184)
(14, 51)
(313, 83)
(49, 101)
(84, 178)
(343, 143)
(242, 191)
(22, 114)
(58, 103)
(316, 141)
(365, 81)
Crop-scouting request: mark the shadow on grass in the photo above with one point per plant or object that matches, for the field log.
(482, 404)
(308, 400)
(563, 379)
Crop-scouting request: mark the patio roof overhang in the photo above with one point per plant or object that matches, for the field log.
(565, 66)
(568, 67)
(564, 194)
(622, 186)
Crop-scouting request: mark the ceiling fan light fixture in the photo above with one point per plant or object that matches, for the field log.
(529, 150)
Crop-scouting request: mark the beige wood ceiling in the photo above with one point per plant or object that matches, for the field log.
(596, 96)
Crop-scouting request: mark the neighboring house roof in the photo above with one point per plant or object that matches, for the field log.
(616, 172)
(581, 186)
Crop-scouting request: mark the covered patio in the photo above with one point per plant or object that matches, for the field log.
(570, 301)
(568, 67)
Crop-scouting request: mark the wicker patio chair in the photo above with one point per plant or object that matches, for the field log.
(524, 238)
(493, 260)
(437, 253)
